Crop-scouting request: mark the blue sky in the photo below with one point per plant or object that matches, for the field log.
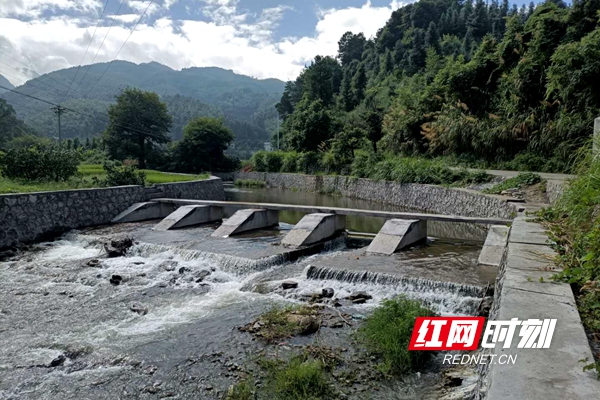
(260, 38)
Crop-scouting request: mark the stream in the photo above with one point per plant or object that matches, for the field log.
(163, 321)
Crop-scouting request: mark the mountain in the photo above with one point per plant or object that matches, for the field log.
(241, 100)
(6, 83)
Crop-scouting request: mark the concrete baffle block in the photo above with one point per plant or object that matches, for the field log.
(314, 228)
(494, 246)
(190, 215)
(247, 220)
(144, 211)
(397, 234)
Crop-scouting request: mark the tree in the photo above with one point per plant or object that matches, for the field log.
(432, 37)
(10, 126)
(322, 79)
(351, 47)
(201, 149)
(308, 127)
(139, 122)
(374, 120)
(359, 84)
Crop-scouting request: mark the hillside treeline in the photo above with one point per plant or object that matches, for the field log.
(486, 85)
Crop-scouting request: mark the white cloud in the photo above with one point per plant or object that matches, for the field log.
(233, 39)
(34, 8)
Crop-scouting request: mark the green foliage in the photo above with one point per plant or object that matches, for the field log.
(250, 183)
(523, 179)
(501, 87)
(123, 175)
(243, 390)
(40, 164)
(138, 123)
(574, 223)
(302, 379)
(202, 147)
(387, 333)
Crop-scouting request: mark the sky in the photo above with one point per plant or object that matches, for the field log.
(258, 38)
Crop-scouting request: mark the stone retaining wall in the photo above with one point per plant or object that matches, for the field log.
(209, 189)
(30, 217)
(437, 199)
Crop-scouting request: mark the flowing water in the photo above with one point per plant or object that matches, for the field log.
(162, 321)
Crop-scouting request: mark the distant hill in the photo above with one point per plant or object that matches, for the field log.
(241, 100)
(6, 83)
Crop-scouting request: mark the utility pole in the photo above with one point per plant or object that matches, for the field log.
(59, 110)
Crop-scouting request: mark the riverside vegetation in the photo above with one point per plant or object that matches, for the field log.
(311, 371)
(574, 224)
(480, 84)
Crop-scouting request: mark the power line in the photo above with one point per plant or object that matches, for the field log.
(40, 76)
(118, 52)
(101, 44)
(77, 112)
(87, 49)
(25, 81)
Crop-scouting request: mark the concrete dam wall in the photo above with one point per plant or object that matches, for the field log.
(30, 217)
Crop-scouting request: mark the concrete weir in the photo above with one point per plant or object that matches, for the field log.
(144, 211)
(247, 220)
(190, 215)
(397, 234)
(493, 248)
(314, 228)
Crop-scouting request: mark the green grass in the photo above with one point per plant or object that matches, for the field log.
(387, 333)
(243, 390)
(250, 183)
(300, 378)
(523, 179)
(280, 322)
(85, 180)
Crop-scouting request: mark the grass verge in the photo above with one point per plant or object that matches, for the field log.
(85, 179)
(387, 333)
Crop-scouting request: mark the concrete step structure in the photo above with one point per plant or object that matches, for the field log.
(190, 215)
(494, 246)
(397, 234)
(314, 228)
(247, 220)
(145, 211)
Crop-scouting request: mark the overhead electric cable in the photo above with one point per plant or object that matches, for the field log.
(86, 50)
(118, 52)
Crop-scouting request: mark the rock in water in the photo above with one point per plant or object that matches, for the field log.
(118, 247)
(328, 293)
(359, 295)
(289, 285)
(138, 308)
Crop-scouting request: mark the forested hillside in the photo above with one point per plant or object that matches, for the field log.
(485, 84)
(4, 82)
(247, 104)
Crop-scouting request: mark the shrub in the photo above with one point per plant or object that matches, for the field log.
(259, 161)
(122, 175)
(387, 333)
(40, 163)
(308, 162)
(274, 161)
(290, 162)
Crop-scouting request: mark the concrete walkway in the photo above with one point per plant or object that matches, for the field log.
(512, 174)
(526, 291)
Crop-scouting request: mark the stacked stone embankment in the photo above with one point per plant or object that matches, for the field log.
(30, 217)
(431, 198)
